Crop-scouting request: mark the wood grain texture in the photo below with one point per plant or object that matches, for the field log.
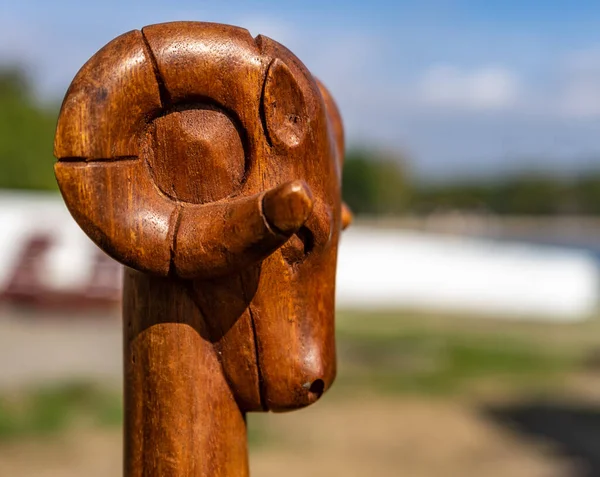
(286, 116)
(117, 205)
(209, 163)
(181, 418)
(109, 102)
(196, 155)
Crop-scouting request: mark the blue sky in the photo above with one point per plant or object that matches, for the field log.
(461, 88)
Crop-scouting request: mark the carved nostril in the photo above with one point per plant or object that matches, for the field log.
(317, 387)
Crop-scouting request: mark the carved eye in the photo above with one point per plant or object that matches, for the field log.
(196, 154)
(284, 107)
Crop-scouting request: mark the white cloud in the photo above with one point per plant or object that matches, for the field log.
(580, 95)
(486, 88)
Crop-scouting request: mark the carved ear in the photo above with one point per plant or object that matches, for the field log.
(336, 120)
(347, 216)
(284, 107)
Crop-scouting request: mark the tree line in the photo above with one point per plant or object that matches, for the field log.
(26, 135)
(375, 184)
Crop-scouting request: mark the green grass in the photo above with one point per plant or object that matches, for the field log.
(431, 364)
(48, 411)
(391, 353)
(52, 409)
(423, 354)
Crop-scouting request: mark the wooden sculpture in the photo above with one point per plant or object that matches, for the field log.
(208, 162)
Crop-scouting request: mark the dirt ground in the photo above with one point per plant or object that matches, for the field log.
(370, 436)
(37, 349)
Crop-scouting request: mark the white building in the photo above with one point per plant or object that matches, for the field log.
(46, 260)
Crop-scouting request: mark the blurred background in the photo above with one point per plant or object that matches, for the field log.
(468, 287)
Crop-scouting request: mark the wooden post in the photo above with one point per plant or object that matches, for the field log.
(208, 163)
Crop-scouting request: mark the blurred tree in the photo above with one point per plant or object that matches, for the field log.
(523, 194)
(468, 196)
(374, 184)
(588, 194)
(26, 135)
(529, 194)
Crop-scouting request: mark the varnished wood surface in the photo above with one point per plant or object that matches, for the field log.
(118, 83)
(209, 163)
(181, 417)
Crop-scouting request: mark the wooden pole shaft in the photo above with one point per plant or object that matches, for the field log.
(181, 418)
